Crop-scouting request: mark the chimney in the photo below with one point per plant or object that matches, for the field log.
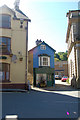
(38, 42)
(79, 5)
(16, 4)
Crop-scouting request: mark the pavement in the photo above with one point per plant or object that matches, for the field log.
(12, 90)
(61, 88)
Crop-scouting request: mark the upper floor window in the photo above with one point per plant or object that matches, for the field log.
(5, 21)
(5, 45)
(44, 61)
(43, 47)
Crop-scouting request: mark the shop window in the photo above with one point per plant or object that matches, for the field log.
(5, 21)
(40, 78)
(5, 44)
(4, 71)
(44, 61)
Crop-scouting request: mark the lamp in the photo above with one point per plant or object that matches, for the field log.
(21, 21)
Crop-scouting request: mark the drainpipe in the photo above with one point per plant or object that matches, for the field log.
(26, 56)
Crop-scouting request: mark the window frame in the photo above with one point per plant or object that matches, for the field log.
(43, 47)
(5, 51)
(5, 72)
(41, 61)
(5, 27)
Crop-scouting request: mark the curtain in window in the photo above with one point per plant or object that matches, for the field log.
(44, 61)
(4, 71)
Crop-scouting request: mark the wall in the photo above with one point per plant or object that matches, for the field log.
(30, 66)
(18, 44)
(38, 51)
(61, 68)
(71, 65)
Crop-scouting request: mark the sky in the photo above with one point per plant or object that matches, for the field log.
(48, 20)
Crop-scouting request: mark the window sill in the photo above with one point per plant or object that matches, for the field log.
(5, 28)
(43, 66)
(4, 53)
(5, 81)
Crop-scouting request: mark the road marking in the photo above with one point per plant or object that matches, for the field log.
(12, 117)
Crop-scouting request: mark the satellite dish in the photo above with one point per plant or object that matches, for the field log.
(14, 58)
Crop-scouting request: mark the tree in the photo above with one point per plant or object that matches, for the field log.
(60, 56)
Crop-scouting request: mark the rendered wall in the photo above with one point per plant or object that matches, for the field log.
(18, 44)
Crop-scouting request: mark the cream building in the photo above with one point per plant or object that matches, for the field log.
(73, 41)
(13, 47)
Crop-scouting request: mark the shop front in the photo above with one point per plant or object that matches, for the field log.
(43, 77)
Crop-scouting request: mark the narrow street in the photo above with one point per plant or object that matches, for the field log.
(42, 103)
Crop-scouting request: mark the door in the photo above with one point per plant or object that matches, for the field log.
(49, 80)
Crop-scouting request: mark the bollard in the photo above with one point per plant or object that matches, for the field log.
(11, 117)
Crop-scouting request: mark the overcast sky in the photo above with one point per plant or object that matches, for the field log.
(48, 20)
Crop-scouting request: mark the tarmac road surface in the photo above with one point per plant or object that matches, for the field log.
(40, 104)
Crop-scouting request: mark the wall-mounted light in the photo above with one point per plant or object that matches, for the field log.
(21, 22)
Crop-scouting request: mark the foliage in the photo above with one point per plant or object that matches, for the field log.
(60, 56)
(67, 80)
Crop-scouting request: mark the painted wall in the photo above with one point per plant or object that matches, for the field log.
(38, 51)
(61, 68)
(18, 44)
(30, 62)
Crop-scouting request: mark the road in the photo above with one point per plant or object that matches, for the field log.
(39, 104)
(62, 83)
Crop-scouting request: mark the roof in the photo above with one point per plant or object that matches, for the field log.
(5, 6)
(17, 12)
(72, 11)
(39, 45)
(70, 22)
(20, 14)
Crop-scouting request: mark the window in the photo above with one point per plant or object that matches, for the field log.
(4, 71)
(5, 44)
(43, 47)
(5, 21)
(44, 61)
(40, 78)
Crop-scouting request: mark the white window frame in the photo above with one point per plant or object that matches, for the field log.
(41, 61)
(43, 47)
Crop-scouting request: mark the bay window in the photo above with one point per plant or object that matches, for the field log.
(44, 61)
(5, 45)
(5, 21)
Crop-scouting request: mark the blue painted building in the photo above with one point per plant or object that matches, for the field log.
(42, 59)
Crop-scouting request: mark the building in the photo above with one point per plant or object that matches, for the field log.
(73, 41)
(41, 64)
(13, 47)
(61, 68)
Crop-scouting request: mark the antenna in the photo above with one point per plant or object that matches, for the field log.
(16, 4)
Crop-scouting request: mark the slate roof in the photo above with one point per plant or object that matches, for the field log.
(5, 6)
(39, 45)
(21, 12)
(17, 12)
